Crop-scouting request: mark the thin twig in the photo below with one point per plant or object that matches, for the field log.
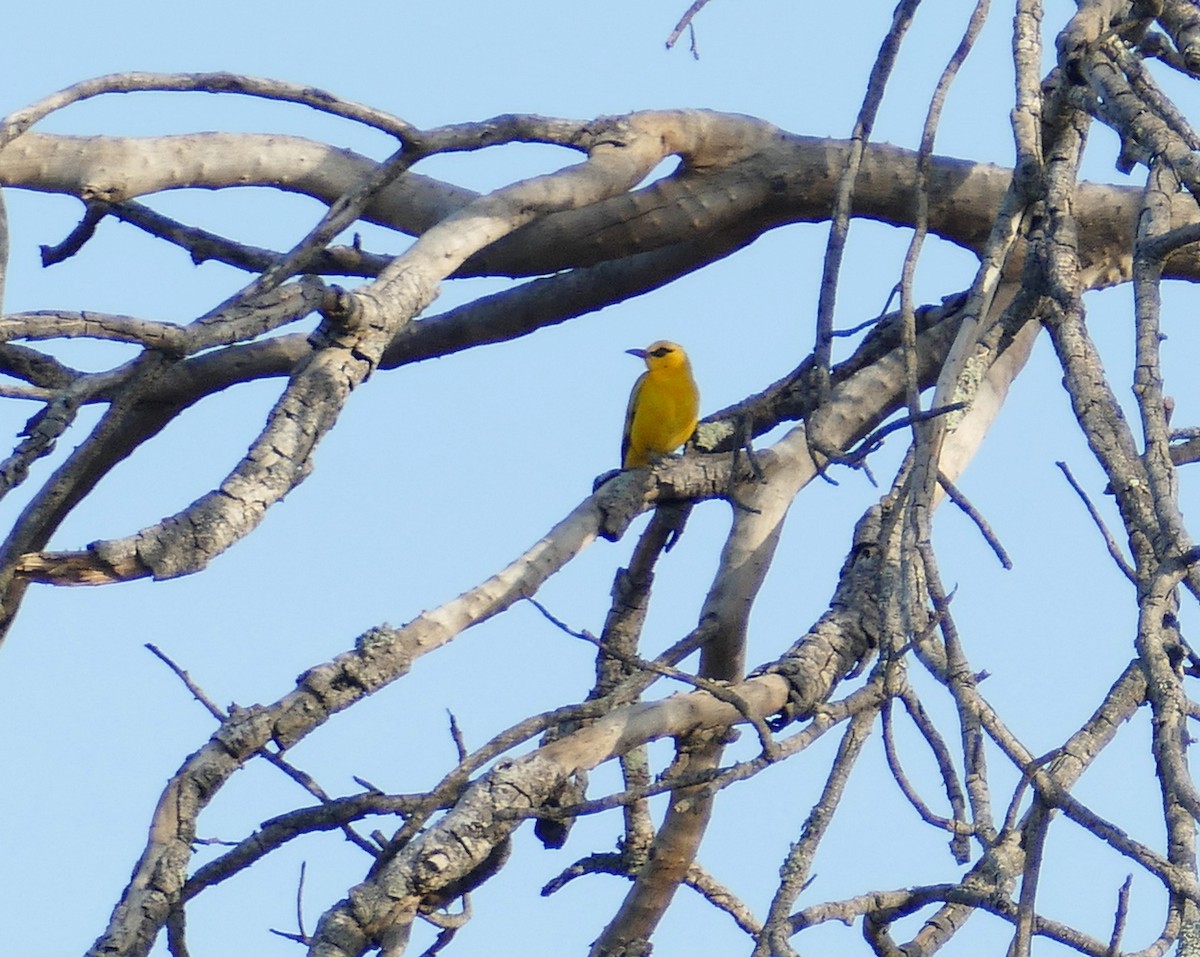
(75, 240)
(214, 842)
(684, 22)
(906, 787)
(447, 921)
(715, 688)
(273, 834)
(795, 871)
(1113, 549)
(300, 901)
(888, 906)
(840, 215)
(303, 778)
(868, 323)
(964, 504)
(941, 753)
(1034, 843)
(875, 439)
(960, 681)
(722, 898)
(195, 689)
(447, 934)
(456, 733)
(601, 863)
(41, 433)
(928, 440)
(18, 122)
(1114, 942)
(203, 245)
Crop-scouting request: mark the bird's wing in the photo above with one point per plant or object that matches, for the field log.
(629, 410)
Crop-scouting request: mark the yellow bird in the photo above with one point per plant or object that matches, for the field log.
(663, 405)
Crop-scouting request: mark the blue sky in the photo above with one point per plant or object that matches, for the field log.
(440, 473)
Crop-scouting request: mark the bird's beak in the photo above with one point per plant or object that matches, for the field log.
(640, 353)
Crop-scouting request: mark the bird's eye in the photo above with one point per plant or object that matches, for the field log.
(659, 353)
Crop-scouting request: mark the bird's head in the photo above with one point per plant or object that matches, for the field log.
(661, 355)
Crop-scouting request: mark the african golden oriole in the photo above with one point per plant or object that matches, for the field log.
(663, 405)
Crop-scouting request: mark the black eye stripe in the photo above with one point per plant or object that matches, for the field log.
(659, 353)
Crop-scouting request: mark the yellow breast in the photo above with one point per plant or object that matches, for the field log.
(663, 406)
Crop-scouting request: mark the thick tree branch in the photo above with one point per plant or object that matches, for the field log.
(778, 178)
